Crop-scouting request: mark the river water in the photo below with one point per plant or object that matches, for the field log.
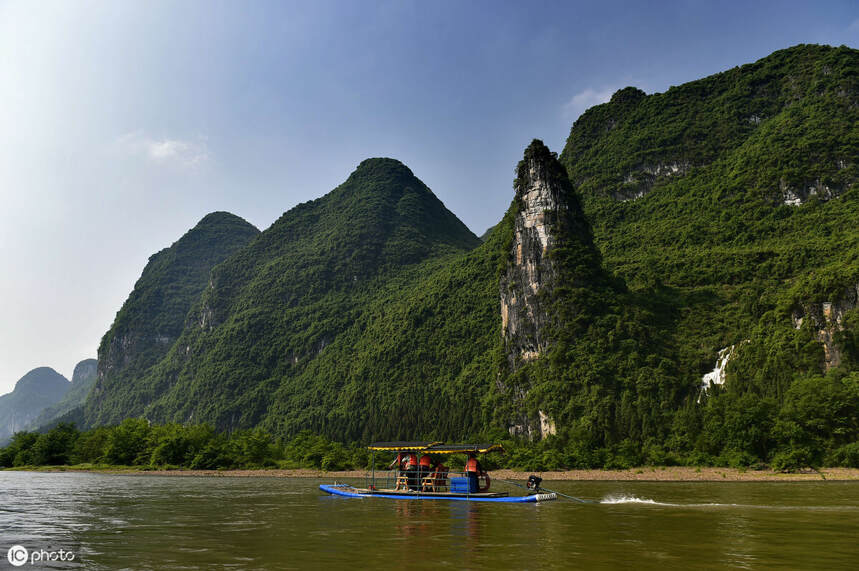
(173, 522)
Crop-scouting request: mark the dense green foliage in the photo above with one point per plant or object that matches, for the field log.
(811, 418)
(135, 442)
(154, 314)
(356, 314)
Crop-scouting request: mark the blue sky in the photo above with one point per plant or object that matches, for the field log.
(124, 123)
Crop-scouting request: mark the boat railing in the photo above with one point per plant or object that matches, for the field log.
(422, 480)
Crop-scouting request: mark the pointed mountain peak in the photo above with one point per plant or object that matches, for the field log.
(540, 167)
(221, 227)
(84, 371)
(383, 164)
(42, 379)
(383, 175)
(627, 95)
(221, 218)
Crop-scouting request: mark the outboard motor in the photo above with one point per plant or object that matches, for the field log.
(534, 482)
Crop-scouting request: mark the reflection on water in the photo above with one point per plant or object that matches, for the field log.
(147, 522)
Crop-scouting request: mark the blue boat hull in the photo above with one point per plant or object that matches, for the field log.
(350, 492)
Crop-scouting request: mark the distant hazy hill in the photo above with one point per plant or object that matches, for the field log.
(83, 379)
(152, 317)
(38, 389)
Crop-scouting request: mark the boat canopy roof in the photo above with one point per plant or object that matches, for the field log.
(436, 447)
(464, 448)
(397, 446)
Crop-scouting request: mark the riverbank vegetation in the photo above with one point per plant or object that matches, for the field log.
(810, 433)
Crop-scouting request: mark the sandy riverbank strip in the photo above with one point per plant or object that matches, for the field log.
(645, 474)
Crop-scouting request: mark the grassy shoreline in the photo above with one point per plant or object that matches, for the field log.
(643, 474)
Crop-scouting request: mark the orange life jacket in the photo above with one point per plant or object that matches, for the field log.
(471, 465)
(426, 460)
(413, 460)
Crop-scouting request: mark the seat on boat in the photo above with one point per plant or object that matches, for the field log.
(437, 481)
(402, 481)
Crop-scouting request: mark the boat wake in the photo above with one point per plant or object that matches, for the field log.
(627, 499)
(624, 499)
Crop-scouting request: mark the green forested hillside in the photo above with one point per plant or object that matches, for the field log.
(731, 201)
(152, 317)
(299, 326)
(717, 216)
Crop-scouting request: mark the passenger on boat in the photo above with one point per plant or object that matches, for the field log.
(407, 466)
(412, 461)
(404, 462)
(420, 471)
(398, 461)
(473, 470)
(413, 472)
(425, 464)
(472, 465)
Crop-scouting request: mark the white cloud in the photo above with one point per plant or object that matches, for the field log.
(165, 151)
(586, 99)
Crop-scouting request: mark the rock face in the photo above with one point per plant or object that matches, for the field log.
(639, 181)
(826, 318)
(35, 391)
(797, 196)
(548, 228)
(531, 273)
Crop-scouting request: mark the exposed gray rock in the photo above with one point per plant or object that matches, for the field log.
(548, 216)
(638, 182)
(531, 271)
(826, 318)
(793, 195)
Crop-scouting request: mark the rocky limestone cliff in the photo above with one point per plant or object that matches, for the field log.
(827, 319)
(530, 273)
(640, 180)
(547, 221)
